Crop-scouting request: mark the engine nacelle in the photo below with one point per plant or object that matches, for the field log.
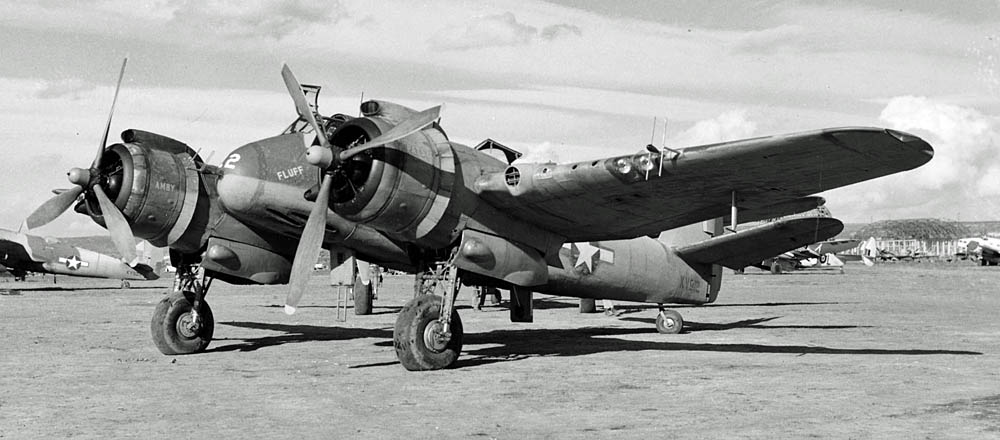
(154, 182)
(405, 191)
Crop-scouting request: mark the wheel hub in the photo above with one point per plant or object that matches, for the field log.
(435, 338)
(188, 326)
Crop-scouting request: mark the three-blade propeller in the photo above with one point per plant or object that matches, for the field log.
(89, 181)
(328, 157)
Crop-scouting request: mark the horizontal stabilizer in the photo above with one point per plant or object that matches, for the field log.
(751, 246)
(146, 271)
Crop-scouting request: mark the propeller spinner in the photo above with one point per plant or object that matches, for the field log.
(88, 182)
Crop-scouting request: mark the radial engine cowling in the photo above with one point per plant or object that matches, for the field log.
(405, 190)
(153, 180)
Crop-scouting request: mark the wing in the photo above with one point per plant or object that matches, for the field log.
(629, 196)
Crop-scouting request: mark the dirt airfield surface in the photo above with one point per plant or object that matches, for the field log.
(901, 350)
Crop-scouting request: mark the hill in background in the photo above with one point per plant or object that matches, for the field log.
(920, 229)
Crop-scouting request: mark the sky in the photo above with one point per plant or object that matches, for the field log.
(559, 80)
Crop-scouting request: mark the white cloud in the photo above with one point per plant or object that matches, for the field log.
(766, 40)
(74, 88)
(235, 19)
(731, 125)
(496, 31)
(544, 152)
(961, 179)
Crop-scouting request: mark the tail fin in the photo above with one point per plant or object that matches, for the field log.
(699, 233)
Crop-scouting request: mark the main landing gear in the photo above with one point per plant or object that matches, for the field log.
(428, 332)
(182, 321)
(669, 321)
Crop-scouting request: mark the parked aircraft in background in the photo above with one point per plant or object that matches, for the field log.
(23, 253)
(821, 254)
(870, 252)
(986, 249)
(391, 188)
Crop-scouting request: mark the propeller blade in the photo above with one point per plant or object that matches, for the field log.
(401, 130)
(309, 246)
(53, 208)
(121, 232)
(301, 105)
(107, 127)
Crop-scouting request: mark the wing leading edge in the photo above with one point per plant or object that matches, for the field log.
(628, 196)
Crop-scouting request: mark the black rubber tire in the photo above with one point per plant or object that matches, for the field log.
(588, 305)
(408, 335)
(362, 297)
(163, 327)
(776, 267)
(669, 322)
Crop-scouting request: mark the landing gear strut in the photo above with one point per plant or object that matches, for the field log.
(428, 332)
(182, 322)
(669, 322)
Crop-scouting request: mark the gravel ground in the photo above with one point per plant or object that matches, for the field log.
(894, 351)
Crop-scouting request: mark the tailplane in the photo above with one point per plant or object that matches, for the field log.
(751, 246)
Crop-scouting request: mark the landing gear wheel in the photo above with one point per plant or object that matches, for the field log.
(776, 267)
(362, 297)
(669, 322)
(421, 344)
(174, 329)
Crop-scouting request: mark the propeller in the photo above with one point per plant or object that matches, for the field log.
(309, 246)
(401, 130)
(330, 159)
(88, 181)
(321, 156)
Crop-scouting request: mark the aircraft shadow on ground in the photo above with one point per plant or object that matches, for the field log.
(713, 305)
(693, 327)
(14, 291)
(513, 345)
(379, 311)
(294, 333)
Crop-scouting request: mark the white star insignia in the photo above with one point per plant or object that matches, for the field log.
(586, 256)
(73, 263)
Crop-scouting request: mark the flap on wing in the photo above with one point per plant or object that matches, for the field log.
(752, 246)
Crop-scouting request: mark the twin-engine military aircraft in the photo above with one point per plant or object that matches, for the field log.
(23, 253)
(391, 188)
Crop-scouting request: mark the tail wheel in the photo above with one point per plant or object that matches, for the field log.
(176, 329)
(669, 322)
(420, 341)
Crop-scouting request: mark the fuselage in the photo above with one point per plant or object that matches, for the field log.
(29, 253)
